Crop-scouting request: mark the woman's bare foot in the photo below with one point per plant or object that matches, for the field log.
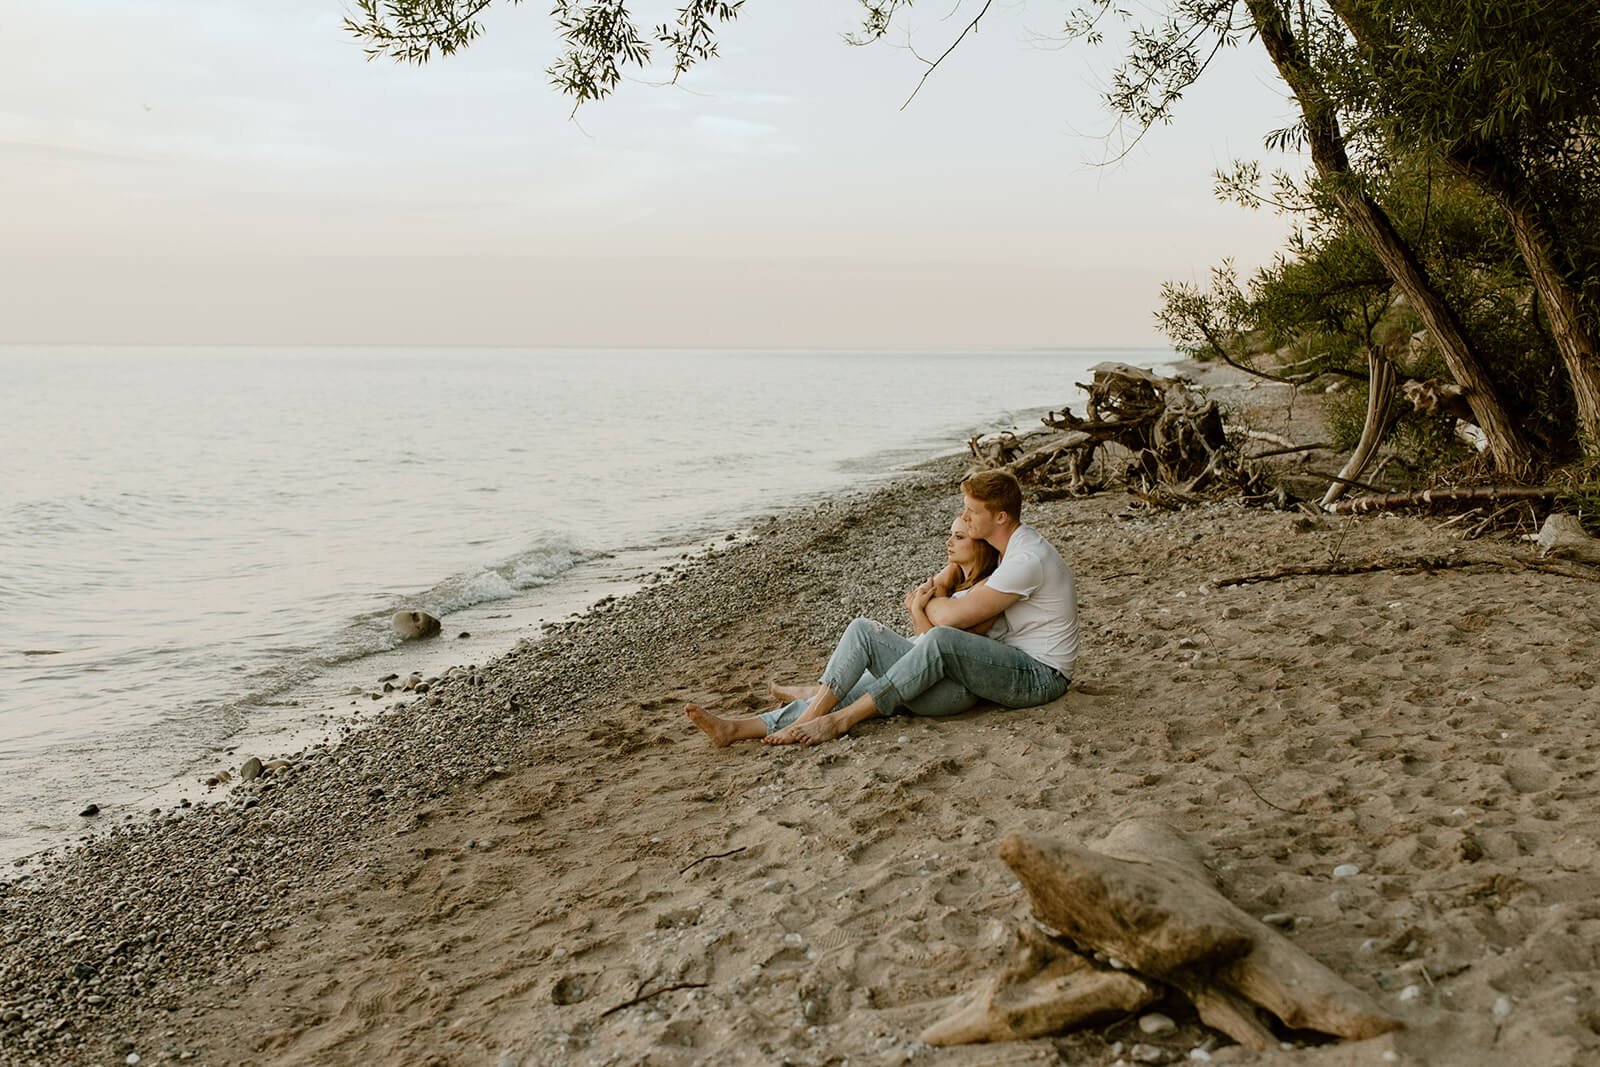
(724, 732)
(783, 694)
(815, 732)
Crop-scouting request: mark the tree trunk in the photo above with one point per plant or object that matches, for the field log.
(1507, 446)
(1574, 339)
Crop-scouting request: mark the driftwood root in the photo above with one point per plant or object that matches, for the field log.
(1144, 896)
(1048, 989)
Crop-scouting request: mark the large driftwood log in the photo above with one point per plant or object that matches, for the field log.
(1047, 990)
(1171, 435)
(1143, 895)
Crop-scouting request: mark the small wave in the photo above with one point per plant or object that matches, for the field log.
(543, 562)
(539, 564)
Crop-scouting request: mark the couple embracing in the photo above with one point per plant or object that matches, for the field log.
(998, 624)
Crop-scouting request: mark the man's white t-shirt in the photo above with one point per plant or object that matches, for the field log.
(1044, 622)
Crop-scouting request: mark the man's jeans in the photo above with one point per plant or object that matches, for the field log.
(944, 672)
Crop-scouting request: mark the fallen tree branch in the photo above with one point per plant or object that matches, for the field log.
(642, 997)
(1416, 563)
(1264, 800)
(713, 856)
(1351, 483)
(1313, 447)
(1439, 498)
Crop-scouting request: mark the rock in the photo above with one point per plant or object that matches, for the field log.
(1410, 993)
(89, 812)
(1502, 1007)
(1346, 870)
(251, 770)
(275, 765)
(1147, 1054)
(412, 625)
(413, 681)
(1278, 918)
(462, 636)
(132, 1060)
(1155, 1023)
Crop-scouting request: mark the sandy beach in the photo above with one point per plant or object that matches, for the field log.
(542, 862)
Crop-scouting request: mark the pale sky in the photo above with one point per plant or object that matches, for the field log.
(235, 172)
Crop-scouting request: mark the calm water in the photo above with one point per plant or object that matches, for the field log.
(184, 532)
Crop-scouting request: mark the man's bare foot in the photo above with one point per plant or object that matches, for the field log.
(815, 732)
(721, 731)
(783, 694)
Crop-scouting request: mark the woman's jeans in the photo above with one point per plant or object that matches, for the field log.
(944, 672)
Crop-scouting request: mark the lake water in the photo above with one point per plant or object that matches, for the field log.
(188, 534)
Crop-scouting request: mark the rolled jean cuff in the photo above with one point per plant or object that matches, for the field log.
(885, 697)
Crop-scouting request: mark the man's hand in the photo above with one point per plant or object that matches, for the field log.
(917, 597)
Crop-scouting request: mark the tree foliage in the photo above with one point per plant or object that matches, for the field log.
(600, 38)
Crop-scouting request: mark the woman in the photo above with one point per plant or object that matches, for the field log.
(849, 670)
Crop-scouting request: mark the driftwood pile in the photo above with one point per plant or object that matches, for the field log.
(1143, 902)
(1153, 434)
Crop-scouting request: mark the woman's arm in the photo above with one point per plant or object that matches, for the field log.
(917, 607)
(944, 582)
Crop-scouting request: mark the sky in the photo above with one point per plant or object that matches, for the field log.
(236, 172)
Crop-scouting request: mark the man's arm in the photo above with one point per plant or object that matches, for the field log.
(979, 605)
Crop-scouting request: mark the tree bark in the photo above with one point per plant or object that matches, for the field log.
(1574, 339)
(1580, 353)
(1508, 447)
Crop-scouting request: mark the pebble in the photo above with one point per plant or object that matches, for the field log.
(1410, 993)
(1155, 1023)
(904, 739)
(1278, 918)
(1200, 1055)
(1142, 1053)
(251, 769)
(1346, 870)
(132, 1060)
(1502, 1007)
(90, 812)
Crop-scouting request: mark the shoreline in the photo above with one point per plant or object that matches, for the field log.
(486, 875)
(346, 695)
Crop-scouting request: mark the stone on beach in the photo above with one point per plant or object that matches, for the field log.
(413, 625)
(251, 769)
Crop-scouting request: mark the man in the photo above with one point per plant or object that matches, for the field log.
(949, 669)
